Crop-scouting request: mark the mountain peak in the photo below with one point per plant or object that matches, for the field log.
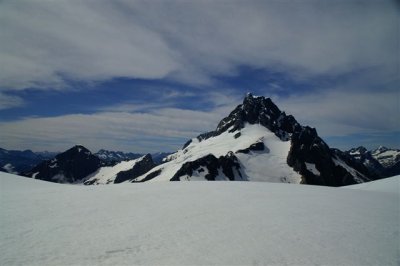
(250, 95)
(380, 149)
(258, 110)
(78, 148)
(358, 151)
(67, 167)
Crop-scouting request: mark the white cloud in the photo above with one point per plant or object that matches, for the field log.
(163, 129)
(45, 42)
(8, 101)
(344, 111)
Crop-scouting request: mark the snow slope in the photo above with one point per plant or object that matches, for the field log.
(107, 174)
(387, 185)
(254, 166)
(195, 223)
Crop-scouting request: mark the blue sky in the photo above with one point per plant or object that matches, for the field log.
(146, 76)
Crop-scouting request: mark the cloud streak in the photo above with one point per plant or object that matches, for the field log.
(162, 129)
(8, 101)
(52, 45)
(341, 111)
(46, 43)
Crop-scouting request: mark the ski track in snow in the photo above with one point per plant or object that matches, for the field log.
(196, 223)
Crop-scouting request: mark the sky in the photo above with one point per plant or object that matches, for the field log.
(146, 76)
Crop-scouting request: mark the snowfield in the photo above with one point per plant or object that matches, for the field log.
(197, 223)
(107, 174)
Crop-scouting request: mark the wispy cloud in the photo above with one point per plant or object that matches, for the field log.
(50, 45)
(8, 101)
(161, 129)
(342, 111)
(190, 41)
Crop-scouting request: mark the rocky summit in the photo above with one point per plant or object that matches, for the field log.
(257, 141)
(70, 166)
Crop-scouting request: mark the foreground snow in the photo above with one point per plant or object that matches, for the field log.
(387, 185)
(195, 223)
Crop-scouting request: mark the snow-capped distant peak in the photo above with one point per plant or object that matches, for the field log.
(116, 156)
(387, 157)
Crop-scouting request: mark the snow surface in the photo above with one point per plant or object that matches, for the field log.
(195, 223)
(312, 168)
(269, 165)
(107, 174)
(387, 185)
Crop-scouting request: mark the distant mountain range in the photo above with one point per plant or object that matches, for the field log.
(255, 142)
(13, 161)
(382, 162)
(17, 162)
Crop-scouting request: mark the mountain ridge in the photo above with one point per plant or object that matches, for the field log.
(255, 142)
(308, 155)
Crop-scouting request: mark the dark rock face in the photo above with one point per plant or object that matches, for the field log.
(255, 110)
(68, 167)
(308, 147)
(140, 168)
(258, 146)
(226, 163)
(259, 110)
(149, 176)
(393, 170)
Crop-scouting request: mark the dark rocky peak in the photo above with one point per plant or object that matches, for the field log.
(257, 110)
(359, 150)
(68, 167)
(75, 152)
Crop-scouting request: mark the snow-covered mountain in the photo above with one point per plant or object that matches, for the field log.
(388, 158)
(78, 165)
(121, 172)
(70, 166)
(198, 223)
(255, 142)
(382, 162)
(113, 157)
(14, 161)
(258, 142)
